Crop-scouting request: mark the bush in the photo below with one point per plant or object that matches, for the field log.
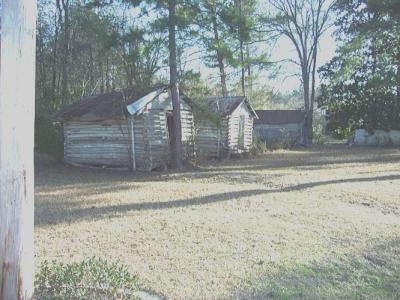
(319, 125)
(259, 147)
(319, 136)
(262, 147)
(48, 137)
(90, 279)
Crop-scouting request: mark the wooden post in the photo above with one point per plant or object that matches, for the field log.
(131, 122)
(17, 112)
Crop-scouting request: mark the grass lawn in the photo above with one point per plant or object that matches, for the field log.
(318, 223)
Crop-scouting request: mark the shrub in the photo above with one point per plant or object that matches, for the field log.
(262, 147)
(319, 136)
(259, 147)
(90, 279)
(319, 125)
(48, 137)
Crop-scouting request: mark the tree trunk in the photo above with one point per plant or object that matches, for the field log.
(306, 92)
(222, 73)
(398, 82)
(249, 78)
(54, 62)
(65, 48)
(176, 108)
(312, 98)
(220, 58)
(108, 86)
(240, 37)
(243, 77)
(17, 111)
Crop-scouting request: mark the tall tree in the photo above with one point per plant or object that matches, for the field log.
(391, 7)
(17, 101)
(63, 7)
(173, 81)
(172, 15)
(242, 20)
(303, 22)
(361, 84)
(213, 36)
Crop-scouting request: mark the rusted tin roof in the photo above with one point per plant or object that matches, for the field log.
(104, 106)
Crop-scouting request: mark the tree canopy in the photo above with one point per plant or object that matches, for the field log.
(362, 82)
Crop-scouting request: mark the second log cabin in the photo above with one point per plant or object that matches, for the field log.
(224, 126)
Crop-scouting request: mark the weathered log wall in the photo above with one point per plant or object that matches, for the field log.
(101, 143)
(109, 143)
(217, 140)
(211, 139)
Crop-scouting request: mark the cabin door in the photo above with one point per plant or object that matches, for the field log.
(241, 133)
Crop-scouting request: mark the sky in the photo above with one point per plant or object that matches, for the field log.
(284, 50)
(287, 78)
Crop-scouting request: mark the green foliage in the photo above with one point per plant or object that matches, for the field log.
(318, 132)
(265, 98)
(259, 148)
(90, 279)
(227, 31)
(391, 7)
(48, 137)
(192, 85)
(106, 51)
(202, 112)
(285, 142)
(213, 32)
(362, 82)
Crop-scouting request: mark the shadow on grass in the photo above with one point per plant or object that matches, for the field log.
(313, 159)
(372, 274)
(68, 212)
(259, 165)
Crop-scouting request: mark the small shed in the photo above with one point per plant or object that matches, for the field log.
(279, 124)
(128, 129)
(224, 127)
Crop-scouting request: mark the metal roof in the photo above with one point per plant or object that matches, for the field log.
(111, 105)
(277, 117)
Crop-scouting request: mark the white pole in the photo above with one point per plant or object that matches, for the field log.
(133, 143)
(17, 113)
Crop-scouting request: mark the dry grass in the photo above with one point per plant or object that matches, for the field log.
(321, 223)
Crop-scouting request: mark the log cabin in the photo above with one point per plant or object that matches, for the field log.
(226, 127)
(124, 129)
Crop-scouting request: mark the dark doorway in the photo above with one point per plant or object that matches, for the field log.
(170, 125)
(241, 133)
